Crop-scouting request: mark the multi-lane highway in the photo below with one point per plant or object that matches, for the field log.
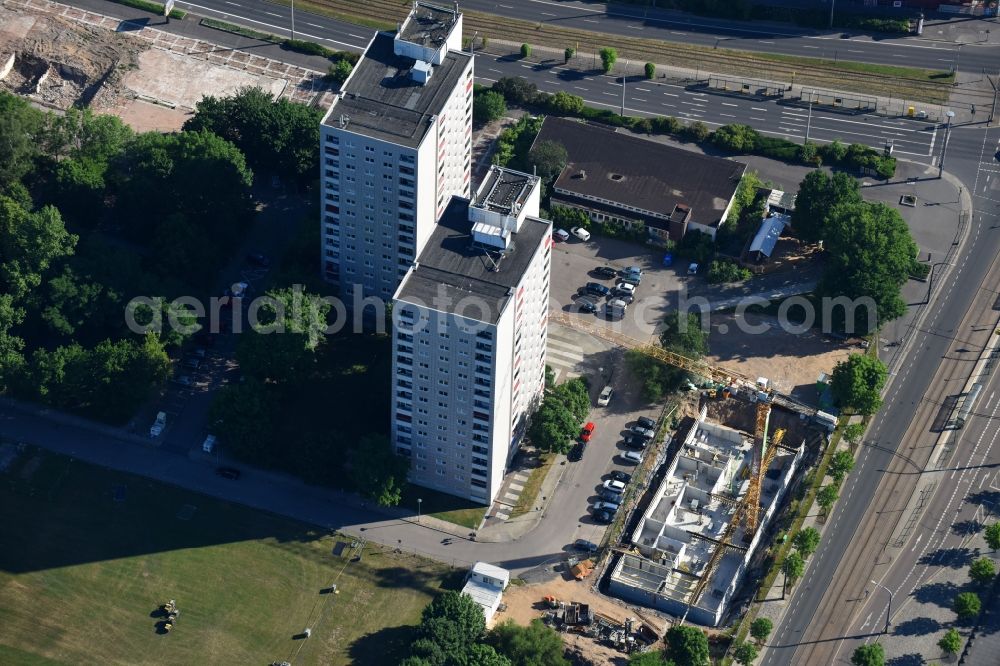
(827, 611)
(913, 139)
(678, 27)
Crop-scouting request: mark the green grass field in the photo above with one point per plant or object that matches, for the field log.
(82, 575)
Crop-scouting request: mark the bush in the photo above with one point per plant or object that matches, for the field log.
(727, 271)
(488, 106)
(736, 137)
(339, 71)
(153, 7)
(698, 131)
(516, 90)
(650, 70)
(608, 58)
(666, 125)
(967, 605)
(308, 48)
(568, 53)
(525, 50)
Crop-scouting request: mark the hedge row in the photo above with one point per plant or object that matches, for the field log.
(735, 137)
(297, 45)
(153, 7)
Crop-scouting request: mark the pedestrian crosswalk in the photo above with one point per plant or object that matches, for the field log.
(563, 353)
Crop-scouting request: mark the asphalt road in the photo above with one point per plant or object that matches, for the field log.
(970, 158)
(820, 625)
(672, 26)
(913, 139)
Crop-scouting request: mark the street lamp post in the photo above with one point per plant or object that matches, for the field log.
(833, 3)
(809, 118)
(944, 148)
(419, 502)
(293, 20)
(888, 609)
(624, 75)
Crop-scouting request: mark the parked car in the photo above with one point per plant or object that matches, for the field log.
(603, 517)
(605, 272)
(586, 305)
(624, 289)
(183, 380)
(259, 260)
(561, 235)
(642, 432)
(633, 457)
(619, 475)
(605, 506)
(596, 288)
(610, 495)
(198, 353)
(159, 424)
(646, 422)
(575, 453)
(228, 472)
(209, 444)
(191, 362)
(605, 397)
(616, 486)
(586, 546)
(631, 274)
(634, 441)
(587, 431)
(581, 233)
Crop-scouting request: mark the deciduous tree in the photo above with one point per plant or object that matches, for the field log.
(687, 646)
(488, 106)
(951, 642)
(967, 605)
(857, 383)
(992, 535)
(534, 645)
(869, 655)
(793, 567)
(761, 628)
(745, 653)
(548, 158)
(806, 541)
(609, 57)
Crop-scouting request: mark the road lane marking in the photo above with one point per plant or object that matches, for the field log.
(273, 14)
(727, 115)
(314, 25)
(588, 21)
(764, 42)
(496, 70)
(728, 104)
(757, 108)
(643, 89)
(638, 99)
(356, 36)
(234, 4)
(579, 88)
(612, 94)
(757, 119)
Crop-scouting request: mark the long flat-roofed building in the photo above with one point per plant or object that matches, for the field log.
(470, 323)
(396, 146)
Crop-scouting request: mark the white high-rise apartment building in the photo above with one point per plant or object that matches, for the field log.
(396, 145)
(470, 320)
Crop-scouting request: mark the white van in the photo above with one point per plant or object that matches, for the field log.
(581, 233)
(561, 235)
(209, 444)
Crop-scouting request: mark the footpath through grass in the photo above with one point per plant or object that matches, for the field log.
(89, 555)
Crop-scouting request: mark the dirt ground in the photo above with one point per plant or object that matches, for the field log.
(152, 80)
(524, 605)
(792, 361)
(147, 117)
(183, 81)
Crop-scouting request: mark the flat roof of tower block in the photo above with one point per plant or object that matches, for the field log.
(636, 174)
(502, 189)
(454, 274)
(383, 101)
(428, 25)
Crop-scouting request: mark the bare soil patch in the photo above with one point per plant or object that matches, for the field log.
(791, 360)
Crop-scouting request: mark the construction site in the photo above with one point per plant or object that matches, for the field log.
(60, 56)
(693, 544)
